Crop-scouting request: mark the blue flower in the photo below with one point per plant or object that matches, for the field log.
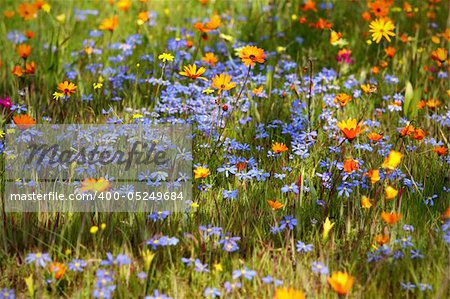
(7, 294)
(40, 259)
(248, 274)
(77, 265)
(159, 215)
(319, 268)
(211, 293)
(157, 295)
(407, 286)
(302, 247)
(199, 267)
(230, 194)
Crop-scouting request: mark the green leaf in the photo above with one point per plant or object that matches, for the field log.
(409, 95)
(30, 285)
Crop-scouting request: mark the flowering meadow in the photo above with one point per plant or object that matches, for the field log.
(320, 146)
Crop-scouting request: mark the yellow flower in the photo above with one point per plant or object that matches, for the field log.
(166, 57)
(393, 160)
(283, 293)
(147, 256)
(97, 85)
(58, 95)
(208, 91)
(381, 28)
(222, 82)
(335, 37)
(341, 282)
(201, 172)
(137, 115)
(218, 267)
(94, 229)
(61, 18)
(225, 37)
(192, 72)
(390, 192)
(374, 175)
(103, 226)
(95, 185)
(365, 202)
(327, 226)
(46, 7)
(2, 133)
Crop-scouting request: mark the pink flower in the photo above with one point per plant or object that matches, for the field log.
(344, 56)
(6, 102)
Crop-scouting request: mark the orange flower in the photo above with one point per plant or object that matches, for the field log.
(241, 166)
(27, 11)
(441, 150)
(258, 91)
(419, 134)
(210, 58)
(143, 16)
(439, 55)
(374, 70)
(213, 23)
(8, 14)
(350, 165)
(421, 104)
(275, 205)
(341, 282)
(391, 218)
(350, 128)
(390, 52)
(379, 8)
(57, 269)
(17, 71)
(432, 103)
(407, 130)
(446, 214)
(95, 185)
(309, 5)
(109, 23)
(23, 50)
(374, 175)
(366, 16)
(29, 34)
(279, 147)
(223, 82)
(283, 293)
(323, 24)
(373, 136)
(192, 72)
(39, 4)
(366, 202)
(67, 88)
(252, 54)
(382, 239)
(342, 99)
(30, 67)
(23, 121)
